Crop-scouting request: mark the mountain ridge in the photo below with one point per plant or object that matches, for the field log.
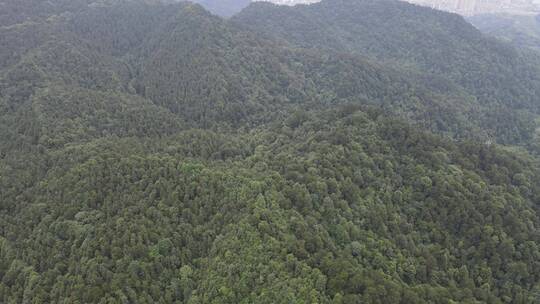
(403, 43)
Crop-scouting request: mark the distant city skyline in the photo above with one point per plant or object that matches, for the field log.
(475, 7)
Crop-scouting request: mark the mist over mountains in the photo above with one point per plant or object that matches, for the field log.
(521, 30)
(515, 22)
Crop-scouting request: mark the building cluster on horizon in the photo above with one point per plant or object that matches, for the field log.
(476, 7)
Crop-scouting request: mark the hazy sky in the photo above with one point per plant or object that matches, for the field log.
(290, 2)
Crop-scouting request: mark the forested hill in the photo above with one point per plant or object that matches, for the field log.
(415, 38)
(155, 153)
(183, 60)
(210, 73)
(14, 12)
(475, 88)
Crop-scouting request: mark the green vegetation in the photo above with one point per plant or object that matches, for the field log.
(434, 48)
(155, 153)
(343, 205)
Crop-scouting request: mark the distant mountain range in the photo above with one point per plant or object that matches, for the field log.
(476, 7)
(513, 21)
(227, 8)
(520, 30)
(467, 8)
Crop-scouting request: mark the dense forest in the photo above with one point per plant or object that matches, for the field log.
(351, 151)
(441, 49)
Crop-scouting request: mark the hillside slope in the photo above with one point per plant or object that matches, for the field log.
(341, 207)
(209, 72)
(155, 153)
(417, 39)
